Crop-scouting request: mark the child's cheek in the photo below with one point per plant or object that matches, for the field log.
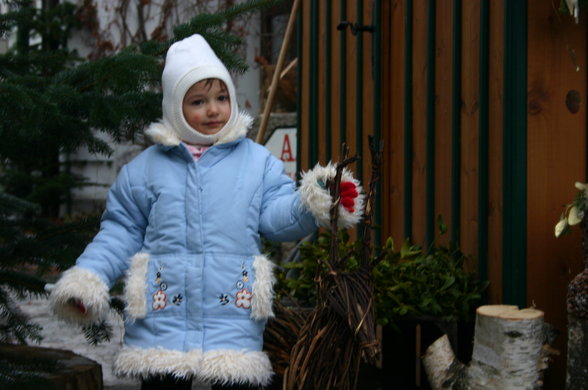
(193, 118)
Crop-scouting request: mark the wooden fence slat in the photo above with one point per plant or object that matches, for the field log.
(367, 83)
(393, 123)
(419, 120)
(469, 127)
(443, 115)
(495, 206)
(322, 91)
(304, 67)
(351, 79)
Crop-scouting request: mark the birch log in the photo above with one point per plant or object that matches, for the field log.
(442, 367)
(508, 353)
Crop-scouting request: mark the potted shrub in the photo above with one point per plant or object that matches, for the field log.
(421, 295)
(418, 293)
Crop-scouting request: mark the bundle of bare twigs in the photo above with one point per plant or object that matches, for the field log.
(340, 331)
(281, 334)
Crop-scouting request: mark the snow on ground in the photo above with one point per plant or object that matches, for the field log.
(58, 334)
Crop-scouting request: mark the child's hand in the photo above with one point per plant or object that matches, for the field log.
(316, 195)
(77, 304)
(348, 193)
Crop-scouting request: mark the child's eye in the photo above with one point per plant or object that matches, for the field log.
(197, 102)
(223, 98)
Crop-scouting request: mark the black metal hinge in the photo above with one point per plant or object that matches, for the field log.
(355, 27)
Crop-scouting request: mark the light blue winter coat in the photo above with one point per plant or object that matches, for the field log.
(187, 235)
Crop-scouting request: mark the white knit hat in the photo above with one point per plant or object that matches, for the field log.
(187, 62)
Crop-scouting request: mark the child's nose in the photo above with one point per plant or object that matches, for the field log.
(212, 108)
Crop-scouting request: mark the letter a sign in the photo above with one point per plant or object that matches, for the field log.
(282, 144)
(287, 153)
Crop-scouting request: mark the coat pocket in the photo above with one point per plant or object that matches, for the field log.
(135, 292)
(238, 287)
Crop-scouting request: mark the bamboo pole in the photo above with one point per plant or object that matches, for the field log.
(276, 76)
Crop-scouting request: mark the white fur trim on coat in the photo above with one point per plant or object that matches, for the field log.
(263, 289)
(318, 199)
(218, 367)
(86, 286)
(136, 287)
(164, 134)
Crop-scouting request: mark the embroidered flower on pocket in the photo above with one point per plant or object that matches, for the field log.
(159, 300)
(177, 299)
(243, 299)
(224, 299)
(158, 275)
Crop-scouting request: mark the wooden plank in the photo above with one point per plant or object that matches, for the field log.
(443, 70)
(393, 47)
(304, 66)
(393, 42)
(335, 74)
(495, 209)
(469, 127)
(397, 121)
(419, 119)
(322, 77)
(368, 91)
(351, 84)
(386, 117)
(556, 159)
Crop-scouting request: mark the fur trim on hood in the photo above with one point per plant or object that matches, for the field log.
(163, 133)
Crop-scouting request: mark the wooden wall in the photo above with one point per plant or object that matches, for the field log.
(434, 82)
(557, 158)
(454, 113)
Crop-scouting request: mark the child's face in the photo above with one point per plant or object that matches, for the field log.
(207, 106)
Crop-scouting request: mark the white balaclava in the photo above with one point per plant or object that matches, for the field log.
(187, 62)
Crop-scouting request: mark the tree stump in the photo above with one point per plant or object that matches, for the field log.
(74, 372)
(508, 353)
(507, 348)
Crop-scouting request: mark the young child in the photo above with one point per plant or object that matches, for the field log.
(183, 223)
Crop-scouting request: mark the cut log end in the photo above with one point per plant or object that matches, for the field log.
(510, 312)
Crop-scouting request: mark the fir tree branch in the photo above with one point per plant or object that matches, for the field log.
(12, 204)
(98, 333)
(14, 326)
(22, 284)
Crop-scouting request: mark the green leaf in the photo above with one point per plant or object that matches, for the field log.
(449, 281)
(442, 226)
